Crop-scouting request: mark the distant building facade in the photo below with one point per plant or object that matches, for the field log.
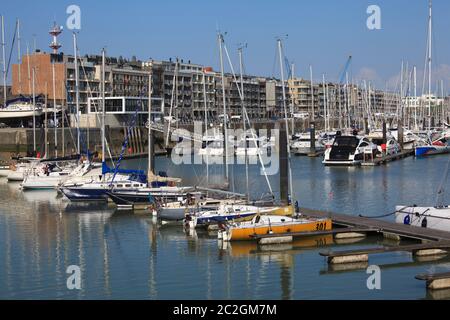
(190, 92)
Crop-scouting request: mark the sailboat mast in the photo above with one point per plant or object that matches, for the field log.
(172, 101)
(312, 115)
(347, 100)
(225, 129)
(442, 102)
(150, 149)
(292, 101)
(4, 61)
(103, 109)
(77, 90)
(46, 121)
(324, 102)
(241, 67)
(430, 39)
(206, 122)
(19, 57)
(54, 109)
(34, 114)
(415, 98)
(28, 68)
(399, 111)
(280, 50)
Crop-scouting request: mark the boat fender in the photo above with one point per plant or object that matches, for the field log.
(407, 220)
(222, 227)
(424, 223)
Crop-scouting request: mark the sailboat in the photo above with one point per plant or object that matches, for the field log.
(233, 213)
(272, 220)
(440, 145)
(271, 224)
(157, 186)
(96, 188)
(20, 108)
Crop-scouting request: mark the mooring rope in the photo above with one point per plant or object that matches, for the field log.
(417, 214)
(385, 215)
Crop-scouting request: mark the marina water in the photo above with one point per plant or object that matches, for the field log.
(126, 255)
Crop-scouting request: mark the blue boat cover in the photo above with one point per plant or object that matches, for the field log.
(136, 175)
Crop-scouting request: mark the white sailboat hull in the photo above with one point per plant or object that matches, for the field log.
(6, 114)
(41, 182)
(426, 217)
(16, 176)
(4, 173)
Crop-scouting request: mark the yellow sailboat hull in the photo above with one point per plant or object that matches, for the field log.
(287, 211)
(276, 211)
(249, 233)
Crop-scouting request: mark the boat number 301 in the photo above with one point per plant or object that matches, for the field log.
(321, 226)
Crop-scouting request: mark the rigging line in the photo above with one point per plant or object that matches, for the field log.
(252, 131)
(11, 51)
(65, 115)
(441, 190)
(96, 110)
(132, 124)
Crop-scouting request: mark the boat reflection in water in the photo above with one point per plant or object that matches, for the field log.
(244, 248)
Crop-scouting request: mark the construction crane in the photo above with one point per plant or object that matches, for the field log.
(341, 81)
(344, 71)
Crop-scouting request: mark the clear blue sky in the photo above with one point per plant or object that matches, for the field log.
(321, 32)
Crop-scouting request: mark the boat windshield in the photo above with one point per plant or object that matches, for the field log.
(346, 142)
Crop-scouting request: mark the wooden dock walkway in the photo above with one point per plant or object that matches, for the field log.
(382, 226)
(386, 159)
(437, 281)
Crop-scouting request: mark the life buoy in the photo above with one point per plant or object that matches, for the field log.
(407, 220)
(424, 223)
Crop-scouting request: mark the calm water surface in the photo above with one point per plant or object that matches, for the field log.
(130, 256)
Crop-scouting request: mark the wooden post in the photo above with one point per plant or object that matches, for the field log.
(312, 132)
(283, 158)
(400, 133)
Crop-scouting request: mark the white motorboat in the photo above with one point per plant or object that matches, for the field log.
(349, 151)
(252, 146)
(301, 144)
(410, 139)
(18, 170)
(213, 146)
(48, 176)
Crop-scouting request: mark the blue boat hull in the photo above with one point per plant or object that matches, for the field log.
(222, 218)
(84, 194)
(431, 150)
